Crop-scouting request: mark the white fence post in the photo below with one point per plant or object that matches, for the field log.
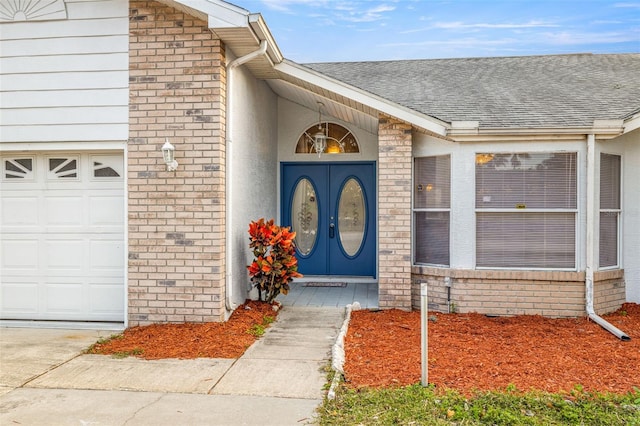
(424, 337)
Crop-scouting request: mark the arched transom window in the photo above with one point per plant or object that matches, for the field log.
(338, 140)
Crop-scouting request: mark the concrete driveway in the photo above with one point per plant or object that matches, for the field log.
(28, 353)
(46, 380)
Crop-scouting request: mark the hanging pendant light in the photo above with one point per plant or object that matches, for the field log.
(320, 137)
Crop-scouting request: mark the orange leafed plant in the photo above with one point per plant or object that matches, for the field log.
(275, 264)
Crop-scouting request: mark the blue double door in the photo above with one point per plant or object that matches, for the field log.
(331, 207)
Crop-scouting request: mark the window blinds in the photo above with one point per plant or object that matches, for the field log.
(526, 210)
(609, 209)
(431, 202)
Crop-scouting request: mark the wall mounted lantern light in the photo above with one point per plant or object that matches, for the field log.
(320, 138)
(168, 155)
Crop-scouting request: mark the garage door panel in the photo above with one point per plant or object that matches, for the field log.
(64, 298)
(106, 256)
(19, 298)
(19, 211)
(106, 298)
(63, 210)
(19, 254)
(103, 211)
(65, 255)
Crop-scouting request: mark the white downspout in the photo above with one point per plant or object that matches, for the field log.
(229, 171)
(591, 222)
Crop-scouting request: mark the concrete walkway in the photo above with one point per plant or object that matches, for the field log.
(45, 380)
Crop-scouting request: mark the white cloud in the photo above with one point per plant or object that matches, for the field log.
(460, 42)
(287, 5)
(568, 38)
(347, 10)
(375, 13)
(461, 25)
(629, 5)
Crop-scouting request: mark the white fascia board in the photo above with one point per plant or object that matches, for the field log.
(469, 131)
(632, 123)
(260, 28)
(220, 13)
(402, 113)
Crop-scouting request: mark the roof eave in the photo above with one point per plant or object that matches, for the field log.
(380, 104)
(632, 123)
(466, 131)
(240, 30)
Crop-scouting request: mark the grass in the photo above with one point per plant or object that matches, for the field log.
(415, 405)
(102, 341)
(125, 354)
(258, 330)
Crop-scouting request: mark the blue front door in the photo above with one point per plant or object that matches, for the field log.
(331, 207)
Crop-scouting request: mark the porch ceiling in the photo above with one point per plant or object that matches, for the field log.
(308, 95)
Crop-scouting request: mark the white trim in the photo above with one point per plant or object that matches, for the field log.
(632, 123)
(63, 146)
(125, 253)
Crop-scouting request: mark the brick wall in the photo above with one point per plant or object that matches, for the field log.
(394, 213)
(176, 219)
(548, 293)
(609, 291)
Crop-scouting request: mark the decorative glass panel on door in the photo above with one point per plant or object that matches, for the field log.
(351, 217)
(304, 216)
(63, 168)
(18, 168)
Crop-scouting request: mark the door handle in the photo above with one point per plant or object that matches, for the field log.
(332, 230)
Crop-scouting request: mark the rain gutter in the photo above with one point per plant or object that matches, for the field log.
(228, 301)
(591, 222)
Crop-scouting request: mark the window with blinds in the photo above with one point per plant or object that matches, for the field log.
(431, 209)
(526, 207)
(610, 209)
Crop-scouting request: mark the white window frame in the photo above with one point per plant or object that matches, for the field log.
(617, 212)
(415, 210)
(574, 211)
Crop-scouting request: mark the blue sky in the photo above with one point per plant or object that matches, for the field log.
(363, 30)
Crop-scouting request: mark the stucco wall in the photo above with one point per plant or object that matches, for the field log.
(631, 214)
(255, 167)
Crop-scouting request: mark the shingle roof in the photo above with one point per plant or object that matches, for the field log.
(529, 91)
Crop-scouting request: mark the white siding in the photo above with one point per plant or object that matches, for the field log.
(66, 79)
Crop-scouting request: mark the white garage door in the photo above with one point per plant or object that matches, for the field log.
(62, 237)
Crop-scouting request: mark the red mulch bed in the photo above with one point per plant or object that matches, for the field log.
(470, 352)
(192, 340)
(467, 352)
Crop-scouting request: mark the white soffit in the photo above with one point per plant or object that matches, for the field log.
(334, 106)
